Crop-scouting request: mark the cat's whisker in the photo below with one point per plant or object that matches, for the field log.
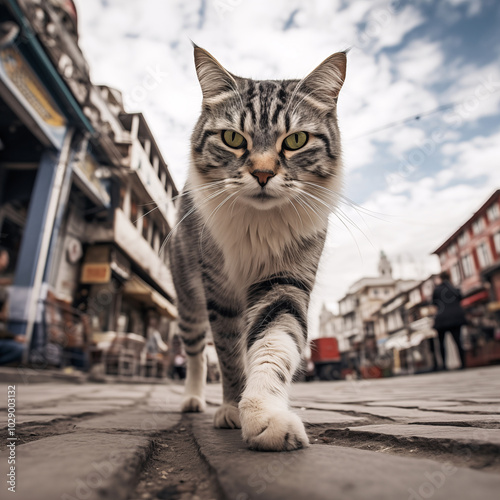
(295, 208)
(147, 213)
(314, 210)
(345, 218)
(350, 232)
(213, 213)
(210, 185)
(301, 202)
(336, 215)
(169, 235)
(339, 212)
(354, 224)
(232, 205)
(347, 201)
(184, 193)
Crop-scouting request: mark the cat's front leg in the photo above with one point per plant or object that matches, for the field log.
(275, 341)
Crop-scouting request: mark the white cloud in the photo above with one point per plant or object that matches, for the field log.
(124, 40)
(420, 61)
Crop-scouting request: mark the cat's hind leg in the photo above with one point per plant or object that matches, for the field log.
(193, 337)
(224, 312)
(231, 365)
(193, 322)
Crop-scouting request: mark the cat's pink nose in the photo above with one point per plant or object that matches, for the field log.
(263, 176)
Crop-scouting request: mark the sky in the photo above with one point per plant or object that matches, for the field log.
(419, 110)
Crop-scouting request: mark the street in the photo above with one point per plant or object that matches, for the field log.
(428, 436)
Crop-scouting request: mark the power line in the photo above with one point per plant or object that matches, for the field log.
(404, 121)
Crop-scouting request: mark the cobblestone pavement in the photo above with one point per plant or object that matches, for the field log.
(429, 436)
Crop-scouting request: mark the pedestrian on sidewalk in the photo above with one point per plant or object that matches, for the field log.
(450, 317)
(11, 346)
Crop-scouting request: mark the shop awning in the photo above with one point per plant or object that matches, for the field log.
(418, 337)
(477, 297)
(141, 291)
(398, 340)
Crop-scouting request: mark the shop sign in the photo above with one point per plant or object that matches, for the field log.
(95, 273)
(27, 88)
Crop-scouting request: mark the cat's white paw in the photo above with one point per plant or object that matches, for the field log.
(269, 429)
(192, 404)
(227, 417)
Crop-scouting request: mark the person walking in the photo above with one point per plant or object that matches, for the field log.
(11, 346)
(450, 317)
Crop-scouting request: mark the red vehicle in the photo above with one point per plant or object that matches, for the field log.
(326, 358)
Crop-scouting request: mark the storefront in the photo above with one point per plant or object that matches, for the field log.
(117, 298)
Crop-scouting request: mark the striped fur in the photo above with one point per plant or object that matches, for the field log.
(244, 257)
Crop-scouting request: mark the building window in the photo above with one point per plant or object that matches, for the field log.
(145, 228)
(493, 212)
(483, 254)
(452, 250)
(455, 274)
(468, 265)
(442, 257)
(478, 226)
(496, 240)
(134, 211)
(463, 239)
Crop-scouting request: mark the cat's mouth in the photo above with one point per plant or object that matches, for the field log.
(263, 195)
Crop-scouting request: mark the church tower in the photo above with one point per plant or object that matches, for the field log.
(384, 266)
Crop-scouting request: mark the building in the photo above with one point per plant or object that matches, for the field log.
(405, 326)
(364, 298)
(330, 324)
(357, 324)
(86, 198)
(472, 257)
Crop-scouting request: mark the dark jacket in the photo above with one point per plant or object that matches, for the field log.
(449, 311)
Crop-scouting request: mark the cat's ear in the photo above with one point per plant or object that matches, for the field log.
(214, 79)
(324, 82)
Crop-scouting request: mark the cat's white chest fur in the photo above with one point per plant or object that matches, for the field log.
(254, 241)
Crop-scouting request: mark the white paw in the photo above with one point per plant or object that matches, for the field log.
(271, 429)
(227, 417)
(192, 404)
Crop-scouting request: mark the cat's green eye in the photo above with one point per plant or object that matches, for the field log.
(233, 139)
(295, 141)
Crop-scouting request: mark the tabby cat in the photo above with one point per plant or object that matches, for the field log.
(265, 174)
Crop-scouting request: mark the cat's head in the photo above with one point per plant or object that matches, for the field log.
(269, 142)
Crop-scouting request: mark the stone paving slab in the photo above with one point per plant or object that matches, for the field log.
(315, 417)
(414, 403)
(90, 466)
(148, 422)
(323, 472)
(127, 418)
(35, 418)
(492, 409)
(407, 415)
(470, 420)
(392, 412)
(458, 434)
(71, 409)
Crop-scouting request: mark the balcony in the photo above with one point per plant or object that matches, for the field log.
(141, 165)
(128, 238)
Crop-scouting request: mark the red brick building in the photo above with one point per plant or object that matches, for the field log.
(472, 257)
